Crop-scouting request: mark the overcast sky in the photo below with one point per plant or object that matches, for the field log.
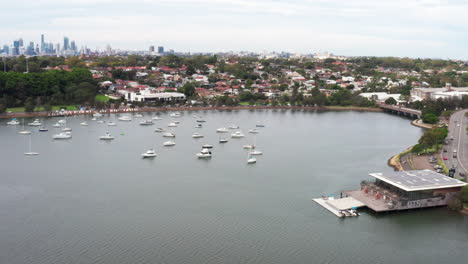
(414, 28)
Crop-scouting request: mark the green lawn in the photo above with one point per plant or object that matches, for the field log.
(101, 98)
(244, 103)
(41, 108)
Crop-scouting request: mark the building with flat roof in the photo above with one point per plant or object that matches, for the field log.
(403, 190)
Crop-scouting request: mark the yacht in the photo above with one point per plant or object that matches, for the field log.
(13, 122)
(125, 118)
(62, 121)
(169, 134)
(198, 126)
(201, 121)
(43, 129)
(159, 129)
(223, 140)
(83, 124)
(169, 143)
(254, 131)
(111, 124)
(138, 115)
(176, 114)
(56, 125)
(24, 132)
(237, 134)
(204, 153)
(172, 124)
(197, 135)
(107, 136)
(63, 135)
(156, 118)
(249, 146)
(222, 130)
(149, 154)
(251, 160)
(97, 115)
(30, 152)
(35, 123)
(146, 123)
(100, 122)
(207, 146)
(67, 129)
(233, 127)
(94, 119)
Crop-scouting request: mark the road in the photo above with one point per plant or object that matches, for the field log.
(458, 141)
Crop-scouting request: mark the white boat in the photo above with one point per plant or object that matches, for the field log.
(149, 154)
(197, 135)
(198, 126)
(97, 115)
(156, 118)
(169, 134)
(146, 123)
(234, 127)
(30, 152)
(67, 129)
(237, 134)
(125, 118)
(169, 143)
(223, 140)
(14, 121)
(36, 122)
(207, 146)
(251, 160)
(254, 131)
(24, 132)
(222, 130)
(159, 129)
(62, 135)
(138, 115)
(43, 129)
(56, 125)
(62, 121)
(256, 152)
(204, 153)
(176, 122)
(172, 124)
(107, 136)
(201, 121)
(248, 146)
(111, 124)
(83, 124)
(176, 114)
(93, 119)
(100, 122)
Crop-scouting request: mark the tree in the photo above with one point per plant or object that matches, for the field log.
(3, 105)
(188, 89)
(29, 105)
(391, 101)
(430, 118)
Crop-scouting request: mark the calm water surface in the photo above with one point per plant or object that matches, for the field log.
(87, 201)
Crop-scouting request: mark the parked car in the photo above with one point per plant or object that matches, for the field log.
(445, 158)
(445, 150)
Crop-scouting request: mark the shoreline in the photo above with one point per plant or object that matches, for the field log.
(179, 108)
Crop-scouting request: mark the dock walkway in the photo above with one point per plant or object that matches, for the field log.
(335, 206)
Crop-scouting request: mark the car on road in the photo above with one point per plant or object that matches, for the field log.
(445, 150)
(455, 155)
(462, 174)
(445, 158)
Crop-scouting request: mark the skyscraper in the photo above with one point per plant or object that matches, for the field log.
(66, 43)
(42, 44)
(16, 45)
(73, 45)
(160, 49)
(151, 49)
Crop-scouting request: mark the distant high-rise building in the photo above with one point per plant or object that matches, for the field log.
(57, 49)
(66, 43)
(151, 49)
(160, 49)
(6, 49)
(16, 49)
(73, 45)
(42, 43)
(21, 43)
(108, 50)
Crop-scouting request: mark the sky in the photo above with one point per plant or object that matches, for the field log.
(403, 28)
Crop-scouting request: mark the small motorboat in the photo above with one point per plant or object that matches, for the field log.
(107, 136)
(111, 124)
(138, 115)
(197, 135)
(83, 124)
(67, 129)
(149, 154)
(201, 121)
(173, 124)
(237, 134)
(97, 115)
(125, 118)
(176, 114)
(254, 131)
(248, 146)
(234, 127)
(146, 123)
(204, 153)
(93, 119)
(43, 129)
(62, 121)
(24, 132)
(35, 123)
(260, 125)
(169, 143)
(62, 135)
(207, 146)
(168, 134)
(159, 129)
(198, 126)
(100, 122)
(251, 160)
(56, 125)
(223, 140)
(222, 130)
(256, 152)
(156, 118)
(13, 121)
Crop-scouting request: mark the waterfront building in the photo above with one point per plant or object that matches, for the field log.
(403, 190)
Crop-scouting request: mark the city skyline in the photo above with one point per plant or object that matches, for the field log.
(424, 28)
